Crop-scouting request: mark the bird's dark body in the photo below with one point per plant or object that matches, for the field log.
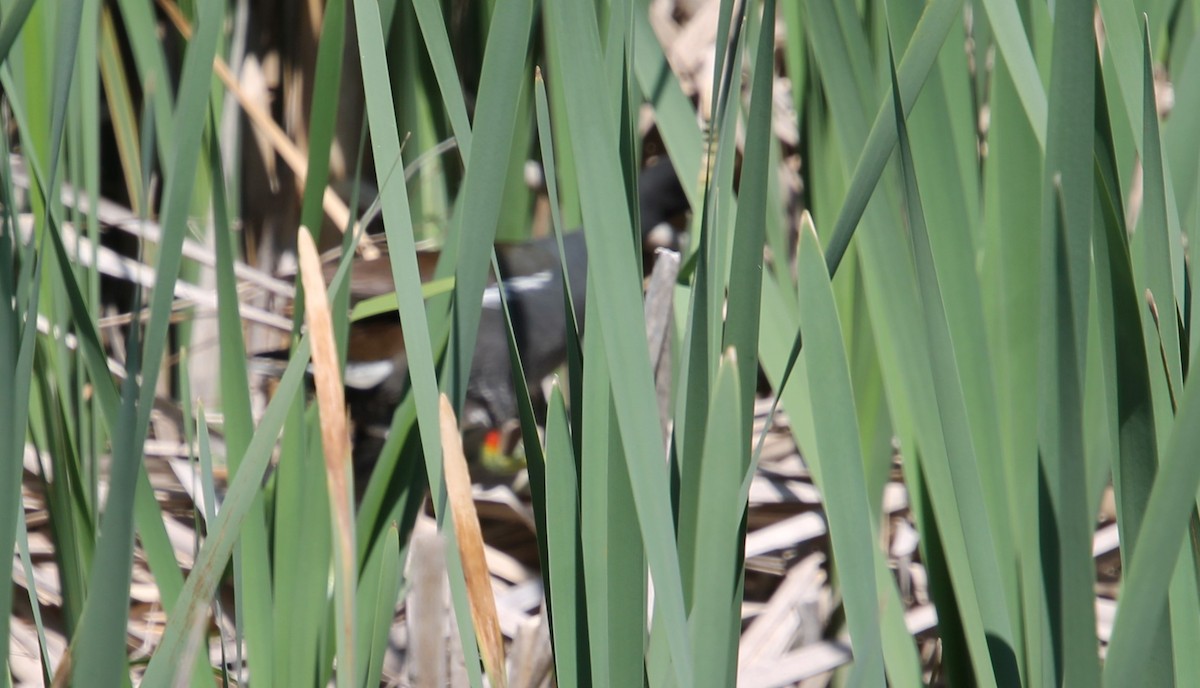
(377, 374)
(533, 283)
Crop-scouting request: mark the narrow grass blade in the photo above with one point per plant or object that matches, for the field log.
(715, 621)
(322, 117)
(22, 544)
(376, 604)
(1065, 539)
(569, 615)
(1009, 243)
(394, 478)
(745, 274)
(1159, 229)
(69, 15)
(16, 355)
(208, 489)
(1067, 207)
(1120, 314)
(1121, 22)
(483, 187)
(837, 461)
(302, 535)
(773, 352)
(155, 79)
(437, 44)
(574, 347)
(1005, 22)
(252, 561)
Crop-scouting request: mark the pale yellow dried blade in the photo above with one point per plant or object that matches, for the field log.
(335, 439)
(470, 548)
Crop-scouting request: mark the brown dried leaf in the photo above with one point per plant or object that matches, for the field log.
(470, 548)
(335, 434)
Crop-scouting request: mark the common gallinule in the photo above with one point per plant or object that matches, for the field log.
(376, 375)
(376, 370)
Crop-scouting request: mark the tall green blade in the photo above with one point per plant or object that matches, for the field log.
(1067, 205)
(961, 467)
(618, 306)
(562, 544)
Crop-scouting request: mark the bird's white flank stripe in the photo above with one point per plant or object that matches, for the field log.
(368, 374)
(516, 285)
